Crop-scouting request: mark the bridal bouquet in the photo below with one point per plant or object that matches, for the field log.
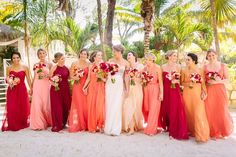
(38, 68)
(213, 76)
(101, 71)
(12, 81)
(55, 81)
(172, 76)
(146, 78)
(132, 74)
(113, 69)
(195, 78)
(78, 74)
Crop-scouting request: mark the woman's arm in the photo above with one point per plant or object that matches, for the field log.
(159, 73)
(52, 71)
(27, 73)
(86, 84)
(126, 78)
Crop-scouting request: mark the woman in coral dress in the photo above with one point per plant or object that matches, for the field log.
(115, 93)
(194, 94)
(59, 93)
(78, 117)
(17, 105)
(95, 91)
(40, 113)
(152, 95)
(172, 116)
(219, 119)
(132, 107)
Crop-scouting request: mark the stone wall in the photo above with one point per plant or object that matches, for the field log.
(232, 95)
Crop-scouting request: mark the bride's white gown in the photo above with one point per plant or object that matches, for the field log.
(114, 101)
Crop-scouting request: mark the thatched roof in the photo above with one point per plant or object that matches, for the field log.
(7, 33)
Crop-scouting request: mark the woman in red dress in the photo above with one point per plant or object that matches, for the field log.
(60, 93)
(17, 106)
(172, 114)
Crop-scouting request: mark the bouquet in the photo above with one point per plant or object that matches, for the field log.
(55, 81)
(213, 76)
(132, 74)
(101, 71)
(78, 73)
(173, 76)
(39, 70)
(195, 78)
(12, 81)
(146, 78)
(113, 69)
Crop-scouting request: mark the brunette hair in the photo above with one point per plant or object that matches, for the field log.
(119, 48)
(209, 51)
(134, 54)
(93, 55)
(57, 56)
(15, 53)
(193, 57)
(86, 50)
(39, 50)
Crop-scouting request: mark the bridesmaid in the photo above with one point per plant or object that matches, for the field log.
(132, 107)
(221, 125)
(40, 113)
(17, 105)
(78, 117)
(153, 95)
(115, 93)
(96, 95)
(60, 98)
(194, 94)
(172, 114)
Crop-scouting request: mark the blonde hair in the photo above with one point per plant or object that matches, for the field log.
(169, 53)
(57, 56)
(119, 48)
(150, 55)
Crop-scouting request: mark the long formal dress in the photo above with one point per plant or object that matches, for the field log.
(96, 103)
(78, 118)
(60, 100)
(172, 116)
(219, 119)
(151, 103)
(132, 107)
(40, 112)
(195, 111)
(17, 105)
(114, 100)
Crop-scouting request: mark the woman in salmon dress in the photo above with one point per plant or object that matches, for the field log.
(40, 112)
(59, 93)
(132, 107)
(95, 91)
(78, 117)
(152, 95)
(194, 94)
(172, 116)
(219, 119)
(17, 105)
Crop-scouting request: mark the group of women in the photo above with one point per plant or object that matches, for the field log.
(199, 109)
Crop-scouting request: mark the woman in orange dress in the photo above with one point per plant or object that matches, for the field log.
(219, 119)
(152, 95)
(194, 94)
(95, 91)
(78, 117)
(40, 112)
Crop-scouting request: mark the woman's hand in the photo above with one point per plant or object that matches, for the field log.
(161, 97)
(85, 90)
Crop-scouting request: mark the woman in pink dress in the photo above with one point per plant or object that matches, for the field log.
(40, 113)
(152, 95)
(132, 106)
(219, 119)
(78, 117)
(17, 106)
(172, 114)
(59, 93)
(95, 91)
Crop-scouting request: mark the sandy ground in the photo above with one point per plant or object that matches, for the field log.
(28, 143)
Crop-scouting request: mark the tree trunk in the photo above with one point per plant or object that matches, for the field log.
(109, 22)
(214, 25)
(26, 32)
(147, 10)
(100, 26)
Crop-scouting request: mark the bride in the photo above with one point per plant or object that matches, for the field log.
(115, 93)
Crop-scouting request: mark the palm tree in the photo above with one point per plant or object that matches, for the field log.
(147, 10)
(221, 12)
(100, 26)
(77, 38)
